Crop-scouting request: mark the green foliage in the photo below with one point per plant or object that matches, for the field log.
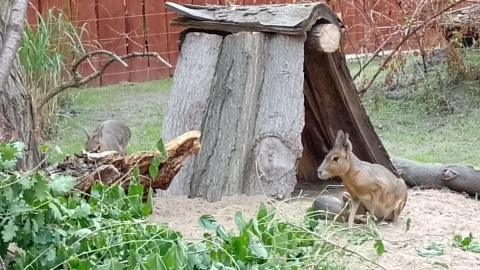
(57, 228)
(264, 241)
(109, 231)
(430, 250)
(468, 243)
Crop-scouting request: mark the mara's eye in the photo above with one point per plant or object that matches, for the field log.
(335, 159)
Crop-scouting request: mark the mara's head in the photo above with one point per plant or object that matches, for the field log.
(93, 143)
(337, 161)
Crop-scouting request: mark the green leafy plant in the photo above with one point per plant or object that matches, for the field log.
(467, 243)
(431, 250)
(57, 230)
(261, 241)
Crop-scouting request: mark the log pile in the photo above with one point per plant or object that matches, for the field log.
(111, 168)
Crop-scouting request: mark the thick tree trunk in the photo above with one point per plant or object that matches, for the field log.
(17, 113)
(197, 61)
(254, 118)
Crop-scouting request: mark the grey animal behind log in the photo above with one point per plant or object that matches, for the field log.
(335, 206)
(110, 135)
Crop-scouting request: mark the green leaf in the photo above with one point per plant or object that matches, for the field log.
(83, 265)
(136, 172)
(20, 207)
(43, 148)
(61, 184)
(162, 149)
(83, 232)
(41, 187)
(259, 250)
(82, 211)
(467, 243)
(208, 222)
(55, 211)
(379, 247)
(474, 247)
(9, 153)
(112, 264)
(154, 262)
(239, 220)
(262, 212)
(430, 250)
(26, 181)
(135, 194)
(153, 168)
(148, 207)
(9, 231)
(239, 245)
(169, 259)
(50, 254)
(408, 225)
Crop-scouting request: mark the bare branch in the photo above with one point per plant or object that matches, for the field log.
(12, 39)
(404, 39)
(375, 54)
(77, 80)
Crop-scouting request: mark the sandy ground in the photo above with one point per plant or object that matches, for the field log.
(436, 216)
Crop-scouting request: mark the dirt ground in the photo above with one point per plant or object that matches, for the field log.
(436, 217)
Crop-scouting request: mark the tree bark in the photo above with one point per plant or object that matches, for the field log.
(254, 118)
(17, 113)
(12, 37)
(190, 90)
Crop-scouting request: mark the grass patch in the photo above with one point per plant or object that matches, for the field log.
(437, 117)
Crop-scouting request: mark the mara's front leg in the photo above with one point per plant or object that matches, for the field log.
(353, 211)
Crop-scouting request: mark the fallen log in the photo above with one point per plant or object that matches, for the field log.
(111, 168)
(463, 179)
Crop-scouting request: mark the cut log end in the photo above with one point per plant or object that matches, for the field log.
(323, 38)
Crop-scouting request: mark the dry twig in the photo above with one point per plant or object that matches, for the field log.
(77, 80)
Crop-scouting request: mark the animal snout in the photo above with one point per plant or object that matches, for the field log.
(321, 174)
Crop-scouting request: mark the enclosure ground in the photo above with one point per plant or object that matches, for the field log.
(436, 216)
(408, 128)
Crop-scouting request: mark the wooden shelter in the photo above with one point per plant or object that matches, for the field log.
(268, 87)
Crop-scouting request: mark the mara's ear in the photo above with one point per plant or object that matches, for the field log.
(99, 133)
(88, 135)
(339, 139)
(346, 144)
